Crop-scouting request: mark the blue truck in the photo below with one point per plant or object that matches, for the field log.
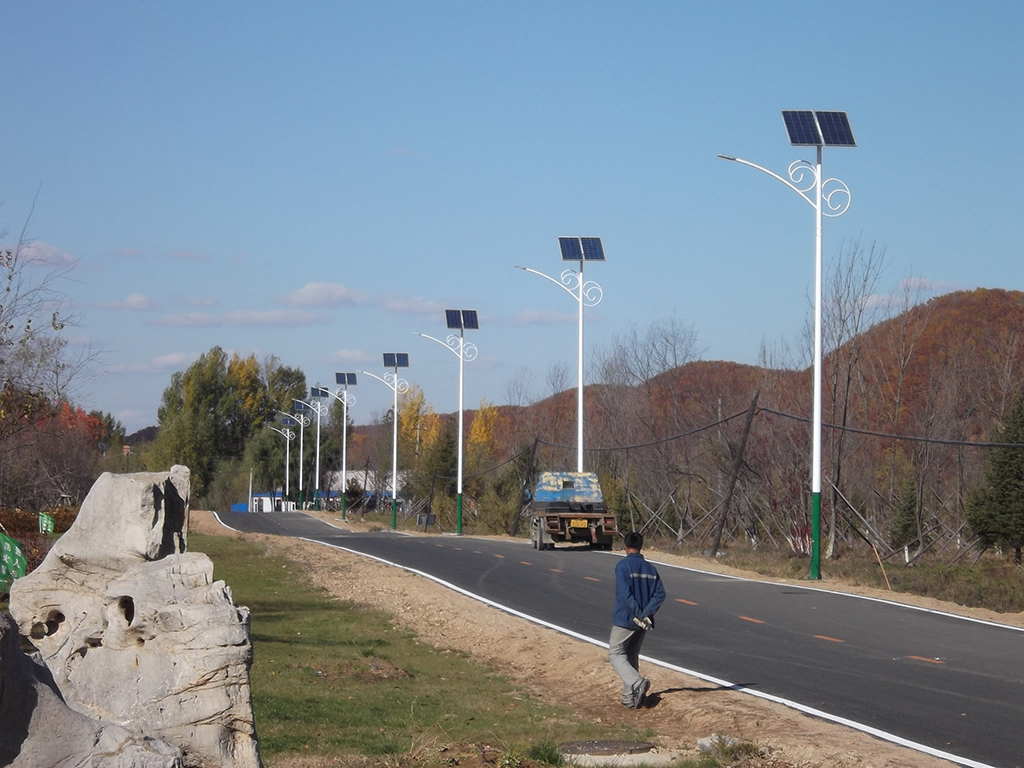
(569, 507)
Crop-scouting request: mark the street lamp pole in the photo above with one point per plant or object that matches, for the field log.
(288, 437)
(581, 249)
(304, 421)
(293, 420)
(398, 386)
(460, 319)
(316, 393)
(815, 129)
(346, 400)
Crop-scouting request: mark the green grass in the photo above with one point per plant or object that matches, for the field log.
(332, 678)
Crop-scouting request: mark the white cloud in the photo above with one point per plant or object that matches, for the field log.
(45, 255)
(323, 295)
(279, 318)
(188, 256)
(136, 302)
(924, 285)
(159, 364)
(347, 356)
(192, 320)
(282, 318)
(544, 317)
(411, 305)
(79, 340)
(913, 288)
(199, 301)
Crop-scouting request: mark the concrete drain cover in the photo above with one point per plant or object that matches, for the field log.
(596, 747)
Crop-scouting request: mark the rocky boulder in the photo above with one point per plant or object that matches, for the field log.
(37, 730)
(134, 629)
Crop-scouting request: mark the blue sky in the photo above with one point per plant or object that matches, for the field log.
(318, 181)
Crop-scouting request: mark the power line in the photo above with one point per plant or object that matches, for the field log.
(680, 436)
(891, 436)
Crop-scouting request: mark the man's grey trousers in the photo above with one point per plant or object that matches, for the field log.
(624, 654)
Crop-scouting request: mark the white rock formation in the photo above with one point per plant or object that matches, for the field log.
(37, 730)
(135, 631)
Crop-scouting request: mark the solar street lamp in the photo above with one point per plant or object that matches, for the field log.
(394, 360)
(581, 249)
(302, 408)
(346, 400)
(460, 320)
(831, 198)
(286, 422)
(317, 394)
(303, 421)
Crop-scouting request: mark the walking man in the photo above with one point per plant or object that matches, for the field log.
(639, 594)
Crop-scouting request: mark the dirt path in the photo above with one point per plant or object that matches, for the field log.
(550, 664)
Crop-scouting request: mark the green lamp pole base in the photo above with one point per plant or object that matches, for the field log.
(815, 573)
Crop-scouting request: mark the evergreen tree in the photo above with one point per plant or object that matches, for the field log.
(904, 529)
(996, 510)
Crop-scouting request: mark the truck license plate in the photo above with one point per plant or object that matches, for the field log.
(576, 523)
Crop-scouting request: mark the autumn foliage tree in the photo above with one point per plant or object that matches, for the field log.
(208, 413)
(49, 449)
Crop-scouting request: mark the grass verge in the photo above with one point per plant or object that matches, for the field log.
(333, 679)
(993, 583)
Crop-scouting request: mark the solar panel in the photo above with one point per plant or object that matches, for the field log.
(592, 248)
(470, 321)
(389, 360)
(288, 421)
(318, 392)
(819, 128)
(802, 128)
(571, 249)
(300, 406)
(454, 318)
(402, 359)
(835, 129)
(350, 379)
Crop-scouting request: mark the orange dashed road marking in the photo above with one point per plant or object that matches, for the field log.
(555, 570)
(590, 578)
(922, 658)
(830, 639)
(523, 562)
(755, 621)
(500, 556)
(688, 602)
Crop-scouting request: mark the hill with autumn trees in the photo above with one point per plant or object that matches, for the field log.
(912, 400)
(909, 404)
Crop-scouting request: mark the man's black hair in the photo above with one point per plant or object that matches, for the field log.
(634, 540)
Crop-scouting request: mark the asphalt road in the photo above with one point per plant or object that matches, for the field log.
(952, 686)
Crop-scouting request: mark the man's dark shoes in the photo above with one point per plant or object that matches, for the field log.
(641, 693)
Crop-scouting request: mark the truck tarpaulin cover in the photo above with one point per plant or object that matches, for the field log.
(568, 487)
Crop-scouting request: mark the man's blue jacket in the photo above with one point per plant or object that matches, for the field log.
(638, 590)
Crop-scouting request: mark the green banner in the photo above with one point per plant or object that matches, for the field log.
(12, 562)
(45, 523)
